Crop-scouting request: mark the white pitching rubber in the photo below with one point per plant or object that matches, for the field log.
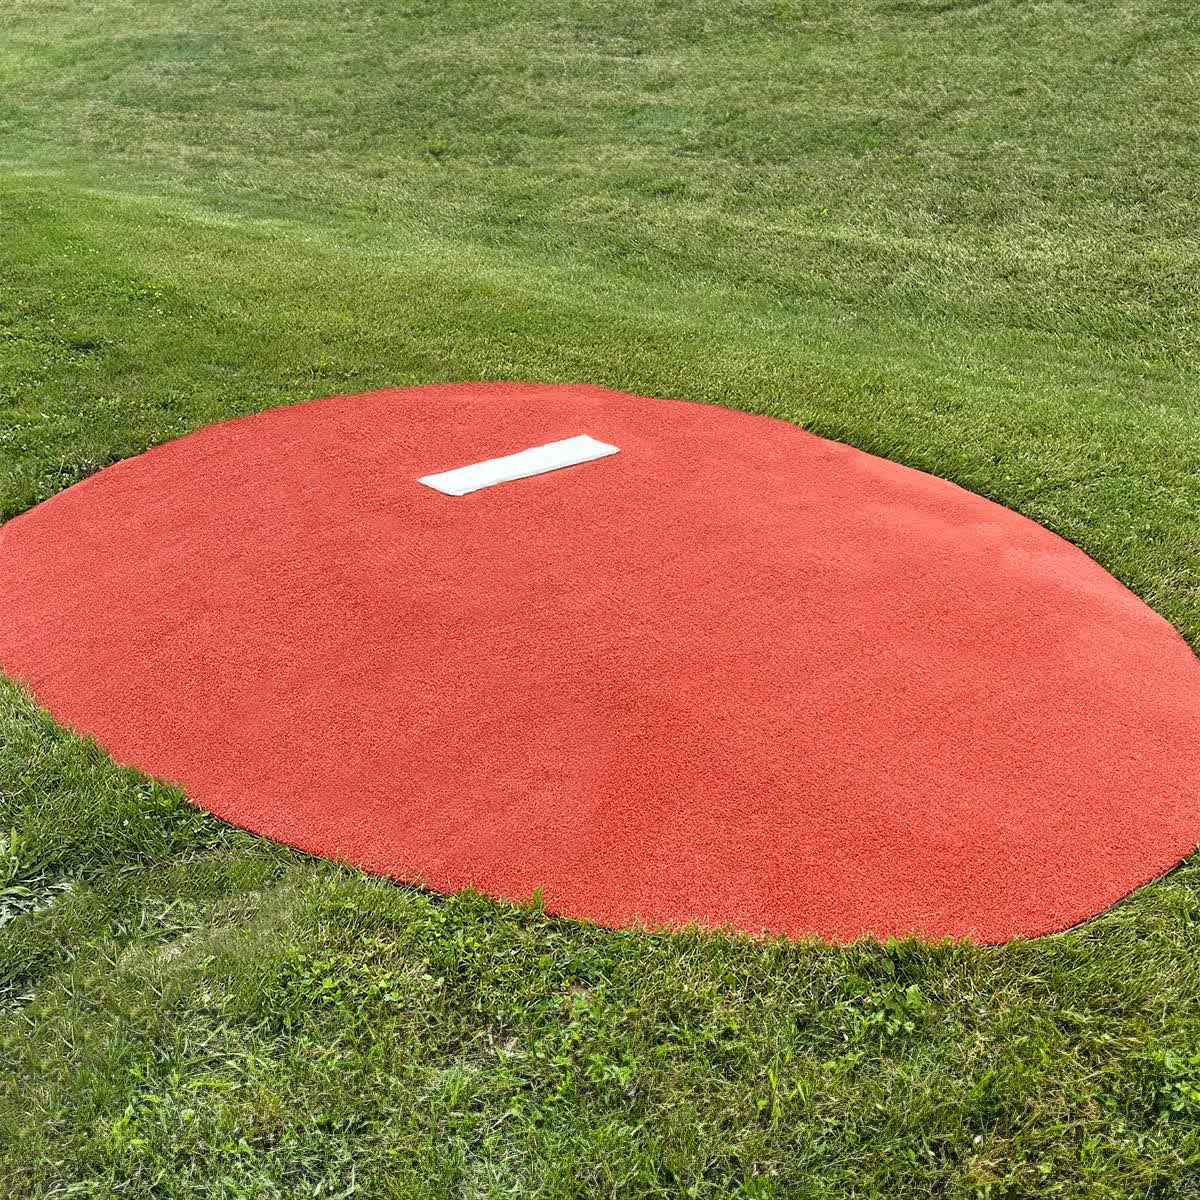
(535, 461)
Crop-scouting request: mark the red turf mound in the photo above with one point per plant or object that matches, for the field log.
(734, 673)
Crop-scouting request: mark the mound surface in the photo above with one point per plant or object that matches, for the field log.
(733, 673)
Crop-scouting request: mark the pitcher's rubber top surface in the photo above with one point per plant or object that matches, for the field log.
(734, 673)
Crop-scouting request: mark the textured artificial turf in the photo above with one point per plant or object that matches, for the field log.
(961, 235)
(972, 729)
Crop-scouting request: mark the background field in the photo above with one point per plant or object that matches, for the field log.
(960, 234)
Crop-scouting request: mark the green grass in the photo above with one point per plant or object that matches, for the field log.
(960, 234)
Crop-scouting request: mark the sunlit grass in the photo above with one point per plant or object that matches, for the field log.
(958, 234)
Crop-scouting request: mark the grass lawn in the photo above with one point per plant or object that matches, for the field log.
(958, 233)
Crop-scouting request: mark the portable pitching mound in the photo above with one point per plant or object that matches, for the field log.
(663, 661)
